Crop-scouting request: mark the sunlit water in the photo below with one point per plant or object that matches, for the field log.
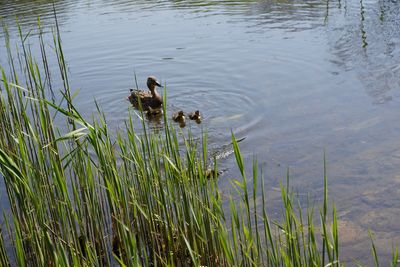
(295, 78)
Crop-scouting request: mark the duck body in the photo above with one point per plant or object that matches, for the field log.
(195, 115)
(147, 99)
(150, 100)
(178, 116)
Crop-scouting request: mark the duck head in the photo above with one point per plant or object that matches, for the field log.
(152, 83)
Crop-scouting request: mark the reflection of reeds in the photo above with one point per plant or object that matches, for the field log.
(84, 198)
(381, 11)
(327, 11)
(363, 32)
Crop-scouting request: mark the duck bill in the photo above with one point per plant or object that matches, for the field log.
(158, 84)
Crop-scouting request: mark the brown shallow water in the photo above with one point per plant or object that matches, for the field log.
(295, 78)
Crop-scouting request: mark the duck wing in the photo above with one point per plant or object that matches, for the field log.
(145, 98)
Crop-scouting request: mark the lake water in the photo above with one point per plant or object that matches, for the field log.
(296, 78)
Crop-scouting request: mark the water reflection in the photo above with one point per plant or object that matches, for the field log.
(288, 15)
(282, 14)
(369, 44)
(28, 11)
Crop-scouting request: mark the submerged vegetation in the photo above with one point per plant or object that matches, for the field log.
(78, 195)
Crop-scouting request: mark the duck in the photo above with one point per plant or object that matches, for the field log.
(154, 115)
(195, 115)
(151, 100)
(179, 116)
(211, 173)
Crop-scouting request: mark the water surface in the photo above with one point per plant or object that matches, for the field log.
(295, 78)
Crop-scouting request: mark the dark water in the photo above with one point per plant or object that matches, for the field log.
(295, 78)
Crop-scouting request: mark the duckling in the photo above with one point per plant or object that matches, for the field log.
(150, 99)
(195, 115)
(211, 173)
(179, 116)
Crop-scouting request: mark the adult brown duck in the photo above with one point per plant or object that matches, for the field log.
(151, 100)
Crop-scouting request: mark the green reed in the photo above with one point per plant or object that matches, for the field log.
(82, 196)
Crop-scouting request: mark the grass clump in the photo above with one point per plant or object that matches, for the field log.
(82, 197)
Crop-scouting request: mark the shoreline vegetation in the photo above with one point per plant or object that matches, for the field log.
(82, 197)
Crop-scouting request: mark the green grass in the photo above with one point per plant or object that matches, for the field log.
(81, 197)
